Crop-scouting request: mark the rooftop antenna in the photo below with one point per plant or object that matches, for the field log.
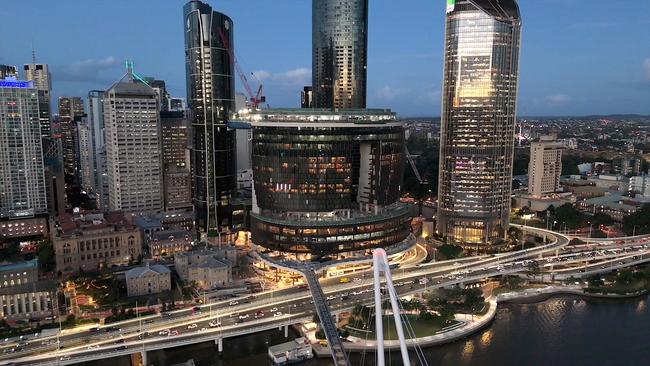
(33, 53)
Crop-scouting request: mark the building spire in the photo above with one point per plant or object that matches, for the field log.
(33, 53)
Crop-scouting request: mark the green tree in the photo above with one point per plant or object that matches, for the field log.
(625, 277)
(638, 222)
(450, 251)
(45, 252)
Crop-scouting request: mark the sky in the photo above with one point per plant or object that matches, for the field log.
(578, 57)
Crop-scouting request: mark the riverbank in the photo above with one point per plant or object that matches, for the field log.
(467, 324)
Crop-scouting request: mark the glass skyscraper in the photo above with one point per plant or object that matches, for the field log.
(478, 119)
(339, 53)
(211, 98)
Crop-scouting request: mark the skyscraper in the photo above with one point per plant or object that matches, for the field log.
(478, 119)
(339, 53)
(177, 177)
(545, 166)
(8, 70)
(210, 98)
(71, 109)
(98, 144)
(133, 145)
(40, 75)
(21, 156)
(307, 97)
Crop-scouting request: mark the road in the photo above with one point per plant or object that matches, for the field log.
(270, 309)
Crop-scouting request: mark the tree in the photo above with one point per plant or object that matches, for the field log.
(532, 269)
(450, 251)
(601, 218)
(515, 233)
(46, 257)
(625, 277)
(638, 222)
(569, 215)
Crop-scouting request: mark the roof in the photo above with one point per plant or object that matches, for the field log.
(38, 286)
(131, 84)
(166, 234)
(140, 271)
(211, 262)
(19, 266)
(288, 346)
(500, 9)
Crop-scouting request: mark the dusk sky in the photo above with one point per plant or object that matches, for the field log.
(579, 57)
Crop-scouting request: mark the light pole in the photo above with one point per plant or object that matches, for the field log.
(634, 230)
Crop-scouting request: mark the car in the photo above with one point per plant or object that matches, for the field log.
(64, 358)
(164, 332)
(273, 310)
(233, 303)
(120, 348)
(259, 314)
(93, 346)
(172, 333)
(215, 323)
(244, 316)
(192, 326)
(279, 313)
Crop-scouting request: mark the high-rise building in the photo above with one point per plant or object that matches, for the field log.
(478, 119)
(8, 70)
(86, 156)
(161, 91)
(545, 167)
(98, 146)
(176, 104)
(54, 175)
(339, 53)
(40, 75)
(71, 109)
(210, 97)
(177, 176)
(21, 156)
(307, 97)
(133, 149)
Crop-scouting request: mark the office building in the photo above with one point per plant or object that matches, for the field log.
(40, 75)
(91, 242)
(8, 70)
(176, 104)
(22, 179)
(54, 174)
(479, 101)
(147, 280)
(339, 53)
(177, 176)
(327, 183)
(86, 161)
(133, 147)
(71, 109)
(307, 97)
(545, 167)
(98, 145)
(160, 88)
(210, 97)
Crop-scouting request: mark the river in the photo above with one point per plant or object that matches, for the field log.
(557, 332)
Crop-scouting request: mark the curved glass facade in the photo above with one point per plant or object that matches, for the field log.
(339, 53)
(210, 97)
(478, 119)
(327, 182)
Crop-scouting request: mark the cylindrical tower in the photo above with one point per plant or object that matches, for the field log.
(210, 96)
(339, 53)
(478, 119)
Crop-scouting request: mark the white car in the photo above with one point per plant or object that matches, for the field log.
(279, 313)
(93, 346)
(274, 310)
(233, 303)
(192, 326)
(214, 324)
(164, 332)
(244, 316)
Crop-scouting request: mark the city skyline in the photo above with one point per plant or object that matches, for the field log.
(404, 62)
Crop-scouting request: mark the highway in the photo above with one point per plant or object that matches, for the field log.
(271, 310)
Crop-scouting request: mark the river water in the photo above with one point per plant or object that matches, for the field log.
(560, 331)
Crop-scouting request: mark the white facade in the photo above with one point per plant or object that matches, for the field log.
(86, 156)
(133, 146)
(640, 184)
(98, 145)
(40, 74)
(544, 168)
(22, 178)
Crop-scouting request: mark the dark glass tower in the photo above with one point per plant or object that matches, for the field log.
(478, 119)
(339, 53)
(211, 98)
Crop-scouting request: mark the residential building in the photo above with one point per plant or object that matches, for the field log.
(545, 167)
(211, 98)
(479, 100)
(22, 178)
(168, 243)
(640, 185)
(94, 241)
(147, 280)
(40, 75)
(133, 146)
(339, 53)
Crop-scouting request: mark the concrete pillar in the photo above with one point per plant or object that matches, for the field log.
(143, 354)
(219, 343)
(286, 331)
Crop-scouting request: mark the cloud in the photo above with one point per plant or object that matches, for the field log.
(389, 93)
(90, 70)
(295, 77)
(646, 68)
(558, 98)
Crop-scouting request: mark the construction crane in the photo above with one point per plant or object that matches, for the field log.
(255, 99)
(414, 167)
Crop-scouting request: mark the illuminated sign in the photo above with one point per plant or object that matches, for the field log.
(451, 4)
(16, 84)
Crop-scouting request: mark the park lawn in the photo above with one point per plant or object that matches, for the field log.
(422, 328)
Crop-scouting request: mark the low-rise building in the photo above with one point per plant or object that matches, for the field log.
(291, 352)
(613, 204)
(207, 268)
(23, 228)
(169, 242)
(31, 300)
(20, 273)
(147, 280)
(94, 241)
